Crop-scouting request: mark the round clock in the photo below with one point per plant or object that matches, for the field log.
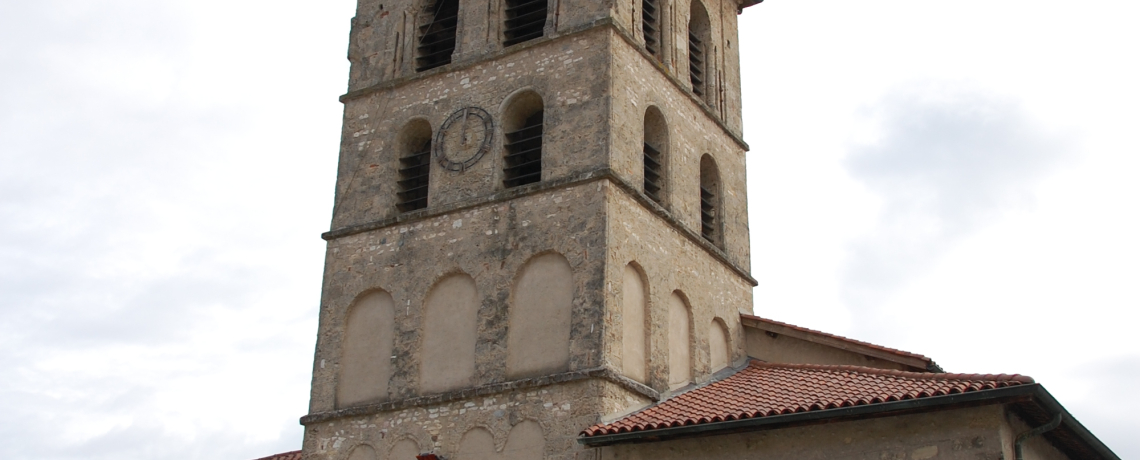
(464, 138)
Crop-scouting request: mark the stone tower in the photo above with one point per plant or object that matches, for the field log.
(540, 224)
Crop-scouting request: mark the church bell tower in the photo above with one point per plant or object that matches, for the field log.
(540, 224)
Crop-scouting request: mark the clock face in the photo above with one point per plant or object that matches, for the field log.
(464, 138)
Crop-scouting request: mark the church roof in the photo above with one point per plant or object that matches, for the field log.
(891, 354)
(295, 455)
(766, 390)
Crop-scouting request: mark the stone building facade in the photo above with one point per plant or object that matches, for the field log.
(540, 226)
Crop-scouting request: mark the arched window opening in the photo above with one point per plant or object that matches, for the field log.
(437, 36)
(710, 202)
(650, 26)
(415, 166)
(522, 127)
(525, 21)
(699, 38)
(654, 147)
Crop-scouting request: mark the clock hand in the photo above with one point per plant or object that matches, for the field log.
(464, 138)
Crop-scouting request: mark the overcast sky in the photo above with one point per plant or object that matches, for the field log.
(950, 178)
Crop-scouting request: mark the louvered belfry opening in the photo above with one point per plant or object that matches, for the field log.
(437, 36)
(523, 161)
(525, 20)
(696, 64)
(653, 172)
(710, 201)
(654, 146)
(649, 26)
(415, 169)
(698, 48)
(708, 213)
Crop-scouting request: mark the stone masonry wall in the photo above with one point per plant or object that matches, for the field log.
(570, 75)
(637, 86)
(383, 37)
(489, 243)
(961, 434)
(670, 263)
(561, 410)
(383, 40)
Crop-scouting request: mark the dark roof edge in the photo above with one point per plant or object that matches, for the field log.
(1032, 392)
(747, 3)
(1046, 401)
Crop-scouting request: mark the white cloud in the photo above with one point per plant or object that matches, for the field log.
(946, 160)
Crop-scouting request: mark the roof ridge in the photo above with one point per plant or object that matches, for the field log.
(839, 337)
(896, 373)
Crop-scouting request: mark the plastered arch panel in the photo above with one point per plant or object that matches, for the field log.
(404, 449)
(538, 340)
(526, 442)
(366, 363)
(447, 356)
(477, 444)
(680, 360)
(633, 350)
(718, 346)
(363, 452)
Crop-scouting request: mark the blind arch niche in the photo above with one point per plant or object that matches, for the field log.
(366, 363)
(538, 338)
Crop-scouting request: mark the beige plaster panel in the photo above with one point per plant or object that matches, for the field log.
(450, 333)
(491, 244)
(526, 441)
(719, 351)
(571, 77)
(368, 348)
(671, 263)
(962, 434)
(634, 325)
(406, 448)
(507, 426)
(539, 332)
(680, 342)
(637, 86)
(363, 452)
(790, 350)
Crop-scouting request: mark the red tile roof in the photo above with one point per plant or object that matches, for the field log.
(905, 354)
(764, 389)
(295, 455)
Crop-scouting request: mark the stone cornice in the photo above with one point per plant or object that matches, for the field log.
(603, 373)
(542, 187)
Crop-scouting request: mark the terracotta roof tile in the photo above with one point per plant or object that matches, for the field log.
(764, 389)
(295, 455)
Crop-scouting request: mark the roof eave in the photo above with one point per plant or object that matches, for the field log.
(1020, 393)
(747, 3)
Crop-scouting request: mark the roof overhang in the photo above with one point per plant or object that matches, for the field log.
(747, 3)
(1032, 402)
